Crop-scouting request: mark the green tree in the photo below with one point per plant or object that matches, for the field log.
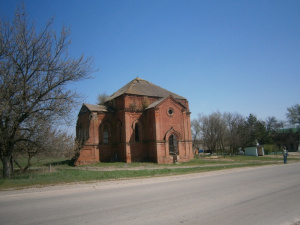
(249, 131)
(35, 70)
(255, 132)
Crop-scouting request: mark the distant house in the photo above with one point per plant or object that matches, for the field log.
(139, 122)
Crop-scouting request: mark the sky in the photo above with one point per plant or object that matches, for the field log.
(238, 56)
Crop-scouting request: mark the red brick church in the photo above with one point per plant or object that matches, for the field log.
(139, 122)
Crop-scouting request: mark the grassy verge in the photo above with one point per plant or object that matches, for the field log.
(62, 172)
(62, 175)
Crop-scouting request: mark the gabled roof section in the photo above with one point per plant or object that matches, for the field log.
(144, 88)
(160, 101)
(93, 108)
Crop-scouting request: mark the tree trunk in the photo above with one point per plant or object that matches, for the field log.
(7, 165)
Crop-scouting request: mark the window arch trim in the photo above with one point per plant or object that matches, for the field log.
(170, 132)
(137, 127)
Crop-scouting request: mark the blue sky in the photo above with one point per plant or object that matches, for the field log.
(222, 55)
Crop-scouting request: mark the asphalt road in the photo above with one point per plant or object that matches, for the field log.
(261, 195)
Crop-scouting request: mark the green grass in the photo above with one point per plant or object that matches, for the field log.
(44, 161)
(62, 172)
(78, 175)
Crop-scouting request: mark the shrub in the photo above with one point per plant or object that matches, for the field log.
(269, 149)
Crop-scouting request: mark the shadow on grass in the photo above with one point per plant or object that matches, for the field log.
(67, 162)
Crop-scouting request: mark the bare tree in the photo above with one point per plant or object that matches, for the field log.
(196, 129)
(35, 69)
(293, 114)
(213, 130)
(272, 124)
(102, 98)
(234, 123)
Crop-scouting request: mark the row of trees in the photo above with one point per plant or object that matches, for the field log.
(228, 132)
(35, 71)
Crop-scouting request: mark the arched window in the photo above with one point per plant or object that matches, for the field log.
(105, 134)
(136, 132)
(173, 145)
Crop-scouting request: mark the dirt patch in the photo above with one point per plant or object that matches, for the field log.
(219, 158)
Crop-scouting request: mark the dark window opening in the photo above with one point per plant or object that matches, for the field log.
(137, 132)
(105, 134)
(173, 148)
(119, 132)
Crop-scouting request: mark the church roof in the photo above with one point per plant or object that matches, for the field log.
(144, 88)
(154, 104)
(96, 108)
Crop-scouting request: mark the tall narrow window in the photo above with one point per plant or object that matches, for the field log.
(136, 132)
(105, 134)
(119, 134)
(173, 146)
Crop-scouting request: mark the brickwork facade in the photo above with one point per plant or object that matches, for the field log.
(140, 122)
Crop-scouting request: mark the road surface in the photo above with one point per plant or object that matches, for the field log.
(261, 195)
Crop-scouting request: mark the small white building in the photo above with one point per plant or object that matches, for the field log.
(255, 151)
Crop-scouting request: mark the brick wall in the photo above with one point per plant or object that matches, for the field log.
(155, 124)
